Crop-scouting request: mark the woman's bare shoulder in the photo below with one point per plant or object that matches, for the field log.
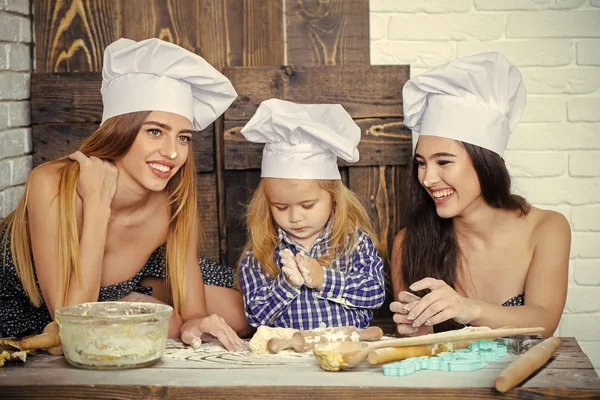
(548, 222)
(45, 178)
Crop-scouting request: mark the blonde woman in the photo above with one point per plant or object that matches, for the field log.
(92, 226)
(311, 257)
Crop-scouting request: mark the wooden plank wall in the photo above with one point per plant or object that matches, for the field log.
(328, 61)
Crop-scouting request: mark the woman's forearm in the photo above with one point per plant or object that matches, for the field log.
(92, 244)
(494, 316)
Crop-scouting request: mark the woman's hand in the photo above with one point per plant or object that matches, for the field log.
(97, 178)
(440, 304)
(406, 302)
(193, 329)
(311, 270)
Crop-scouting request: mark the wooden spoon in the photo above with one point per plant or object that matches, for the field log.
(334, 357)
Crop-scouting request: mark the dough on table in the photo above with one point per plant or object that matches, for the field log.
(258, 343)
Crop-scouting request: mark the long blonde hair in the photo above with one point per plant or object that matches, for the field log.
(110, 141)
(347, 216)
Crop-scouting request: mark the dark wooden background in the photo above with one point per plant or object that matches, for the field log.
(327, 54)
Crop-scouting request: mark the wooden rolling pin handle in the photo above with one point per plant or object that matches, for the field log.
(371, 334)
(380, 356)
(389, 354)
(41, 341)
(277, 345)
(527, 364)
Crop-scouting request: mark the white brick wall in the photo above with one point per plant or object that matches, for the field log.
(554, 155)
(15, 134)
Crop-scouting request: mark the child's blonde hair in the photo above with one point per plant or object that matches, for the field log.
(347, 216)
(110, 142)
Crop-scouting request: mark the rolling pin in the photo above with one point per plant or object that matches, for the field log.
(389, 354)
(526, 364)
(303, 341)
(34, 342)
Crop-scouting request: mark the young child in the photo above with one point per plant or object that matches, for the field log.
(311, 257)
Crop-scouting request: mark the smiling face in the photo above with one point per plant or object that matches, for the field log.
(300, 207)
(446, 172)
(160, 148)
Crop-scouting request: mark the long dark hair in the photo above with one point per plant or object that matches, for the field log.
(430, 248)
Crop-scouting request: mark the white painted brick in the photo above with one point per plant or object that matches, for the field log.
(21, 166)
(5, 173)
(528, 164)
(377, 24)
(3, 207)
(10, 198)
(14, 86)
(588, 52)
(586, 218)
(583, 327)
(4, 112)
(4, 57)
(554, 136)
(14, 56)
(585, 245)
(556, 191)
(415, 54)
(14, 28)
(561, 80)
(559, 24)
(525, 53)
(585, 109)
(587, 272)
(523, 5)
(446, 27)
(571, 279)
(15, 142)
(584, 163)
(429, 6)
(591, 349)
(583, 300)
(563, 209)
(18, 113)
(19, 57)
(545, 109)
(16, 6)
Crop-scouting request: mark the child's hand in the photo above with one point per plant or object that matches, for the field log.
(311, 271)
(290, 268)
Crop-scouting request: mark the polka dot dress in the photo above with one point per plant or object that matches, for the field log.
(18, 317)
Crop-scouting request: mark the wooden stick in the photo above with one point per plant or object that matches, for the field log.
(41, 341)
(527, 364)
(305, 340)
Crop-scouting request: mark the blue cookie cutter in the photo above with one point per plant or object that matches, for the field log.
(464, 360)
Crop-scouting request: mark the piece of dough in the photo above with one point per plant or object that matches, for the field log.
(258, 343)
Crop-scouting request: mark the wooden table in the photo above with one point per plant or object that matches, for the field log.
(215, 373)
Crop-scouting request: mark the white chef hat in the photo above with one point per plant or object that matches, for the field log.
(154, 75)
(477, 99)
(303, 141)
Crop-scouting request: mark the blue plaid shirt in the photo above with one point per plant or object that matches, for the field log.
(352, 287)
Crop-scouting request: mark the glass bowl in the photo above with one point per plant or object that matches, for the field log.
(113, 335)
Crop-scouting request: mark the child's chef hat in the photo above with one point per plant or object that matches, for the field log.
(154, 75)
(477, 99)
(303, 141)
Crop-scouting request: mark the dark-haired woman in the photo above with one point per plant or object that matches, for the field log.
(473, 253)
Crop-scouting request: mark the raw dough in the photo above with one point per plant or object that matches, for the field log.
(258, 343)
